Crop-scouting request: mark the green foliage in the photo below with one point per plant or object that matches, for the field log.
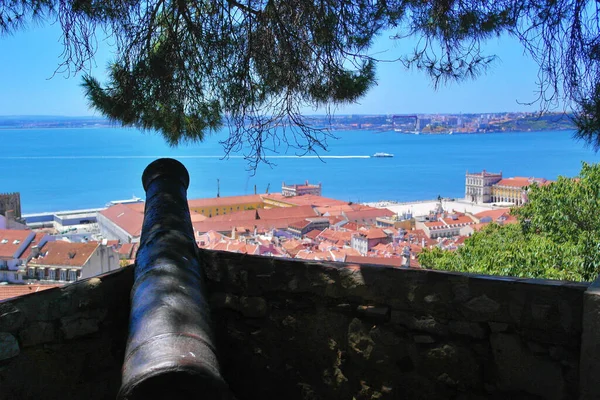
(558, 236)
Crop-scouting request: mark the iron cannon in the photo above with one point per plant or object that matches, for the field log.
(170, 350)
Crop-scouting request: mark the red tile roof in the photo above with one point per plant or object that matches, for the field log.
(225, 201)
(12, 240)
(299, 212)
(351, 226)
(433, 224)
(375, 233)
(10, 291)
(368, 213)
(62, 253)
(335, 236)
(243, 215)
(40, 237)
(314, 255)
(137, 207)
(519, 182)
(125, 217)
(299, 224)
(493, 214)
(307, 199)
(313, 234)
(460, 240)
(127, 249)
(459, 219)
(197, 217)
(514, 182)
(393, 262)
(262, 225)
(335, 210)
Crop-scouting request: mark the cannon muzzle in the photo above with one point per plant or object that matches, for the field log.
(170, 352)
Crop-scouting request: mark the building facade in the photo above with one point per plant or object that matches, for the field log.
(68, 262)
(13, 246)
(478, 185)
(120, 222)
(210, 207)
(514, 190)
(300, 189)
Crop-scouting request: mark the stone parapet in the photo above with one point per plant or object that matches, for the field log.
(316, 330)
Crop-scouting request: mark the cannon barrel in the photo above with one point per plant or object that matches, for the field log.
(170, 351)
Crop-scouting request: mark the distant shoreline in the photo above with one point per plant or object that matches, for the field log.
(422, 124)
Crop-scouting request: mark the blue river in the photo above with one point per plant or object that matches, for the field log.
(62, 169)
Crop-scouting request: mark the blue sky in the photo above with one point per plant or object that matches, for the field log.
(31, 56)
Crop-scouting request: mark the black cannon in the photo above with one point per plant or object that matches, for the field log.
(170, 352)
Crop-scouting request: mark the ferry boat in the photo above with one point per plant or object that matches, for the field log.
(383, 155)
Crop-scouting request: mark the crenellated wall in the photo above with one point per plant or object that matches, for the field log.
(306, 330)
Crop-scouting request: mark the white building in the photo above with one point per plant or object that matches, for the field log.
(478, 185)
(62, 261)
(121, 222)
(300, 189)
(16, 247)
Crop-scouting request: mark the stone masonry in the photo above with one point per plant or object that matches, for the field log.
(305, 330)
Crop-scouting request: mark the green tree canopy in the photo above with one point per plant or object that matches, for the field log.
(558, 235)
(185, 68)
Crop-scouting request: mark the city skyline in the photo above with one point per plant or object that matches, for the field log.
(30, 87)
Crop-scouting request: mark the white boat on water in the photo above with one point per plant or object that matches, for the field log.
(383, 155)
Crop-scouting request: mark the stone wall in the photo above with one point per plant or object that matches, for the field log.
(66, 343)
(10, 202)
(300, 330)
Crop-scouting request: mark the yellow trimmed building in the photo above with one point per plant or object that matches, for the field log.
(514, 190)
(225, 205)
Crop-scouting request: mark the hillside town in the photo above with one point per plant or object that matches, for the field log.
(41, 251)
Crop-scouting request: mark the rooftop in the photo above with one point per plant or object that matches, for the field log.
(127, 217)
(224, 201)
(60, 253)
(520, 182)
(11, 241)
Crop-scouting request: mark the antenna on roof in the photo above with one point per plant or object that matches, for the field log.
(268, 186)
(218, 188)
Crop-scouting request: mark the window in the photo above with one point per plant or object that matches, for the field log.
(52, 275)
(73, 275)
(31, 272)
(41, 273)
(63, 274)
(16, 277)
